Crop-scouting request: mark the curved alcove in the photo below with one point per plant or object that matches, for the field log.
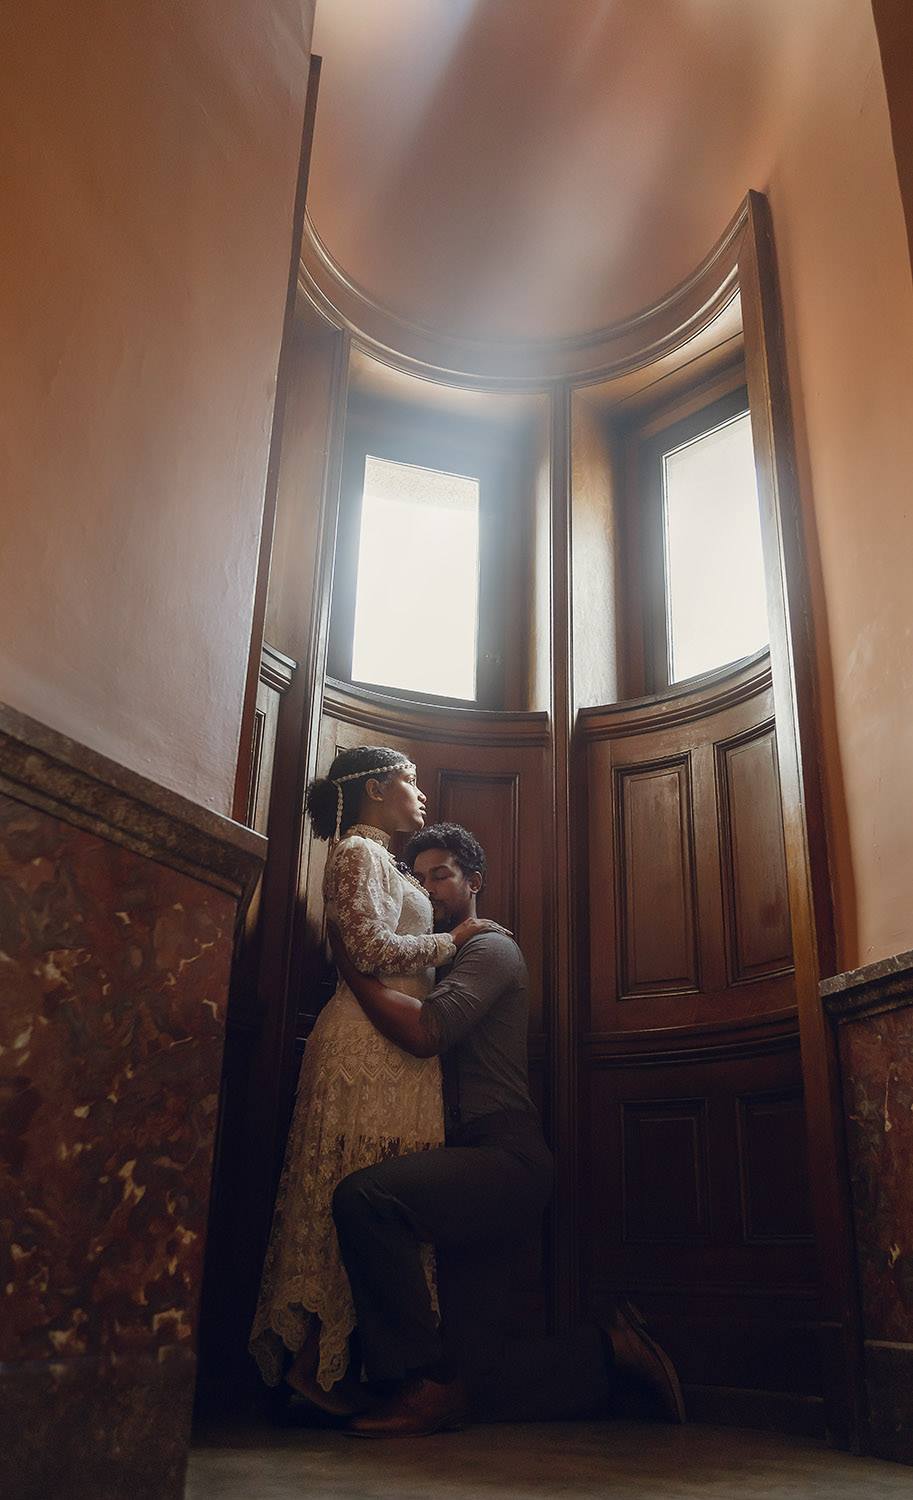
(655, 330)
(647, 839)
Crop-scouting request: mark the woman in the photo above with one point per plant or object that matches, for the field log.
(360, 1098)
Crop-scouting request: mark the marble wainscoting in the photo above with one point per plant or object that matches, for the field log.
(119, 903)
(872, 1011)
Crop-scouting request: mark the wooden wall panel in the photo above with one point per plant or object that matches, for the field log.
(772, 1155)
(694, 1181)
(488, 805)
(664, 1159)
(756, 908)
(686, 891)
(656, 879)
(276, 671)
(695, 1203)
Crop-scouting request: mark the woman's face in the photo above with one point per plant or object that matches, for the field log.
(403, 804)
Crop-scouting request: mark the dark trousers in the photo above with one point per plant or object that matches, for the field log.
(473, 1199)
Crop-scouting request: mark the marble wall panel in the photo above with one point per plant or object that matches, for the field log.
(877, 1065)
(114, 974)
(112, 1428)
(872, 1010)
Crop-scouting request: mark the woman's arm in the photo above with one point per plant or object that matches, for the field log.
(404, 1019)
(367, 914)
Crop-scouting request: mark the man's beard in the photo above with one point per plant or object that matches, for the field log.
(444, 921)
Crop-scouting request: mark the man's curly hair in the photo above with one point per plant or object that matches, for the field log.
(458, 841)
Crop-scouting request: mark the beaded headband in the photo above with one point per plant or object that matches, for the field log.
(339, 782)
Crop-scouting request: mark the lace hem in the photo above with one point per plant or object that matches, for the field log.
(360, 1100)
(288, 1302)
(288, 1328)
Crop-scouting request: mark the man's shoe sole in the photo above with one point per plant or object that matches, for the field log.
(676, 1400)
(456, 1424)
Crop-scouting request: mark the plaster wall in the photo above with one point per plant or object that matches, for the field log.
(848, 307)
(150, 157)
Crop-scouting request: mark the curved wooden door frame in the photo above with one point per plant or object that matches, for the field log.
(792, 653)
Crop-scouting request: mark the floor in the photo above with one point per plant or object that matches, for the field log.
(576, 1461)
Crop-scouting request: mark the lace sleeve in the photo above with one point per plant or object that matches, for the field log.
(367, 912)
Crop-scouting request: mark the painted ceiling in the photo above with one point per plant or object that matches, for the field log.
(540, 168)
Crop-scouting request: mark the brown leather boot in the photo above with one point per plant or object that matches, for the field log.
(419, 1408)
(640, 1359)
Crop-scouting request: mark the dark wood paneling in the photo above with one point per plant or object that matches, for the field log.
(692, 1107)
(667, 1172)
(773, 1168)
(694, 1171)
(656, 879)
(664, 1195)
(489, 806)
(276, 671)
(756, 907)
(685, 850)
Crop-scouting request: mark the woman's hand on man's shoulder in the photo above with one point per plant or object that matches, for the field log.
(474, 927)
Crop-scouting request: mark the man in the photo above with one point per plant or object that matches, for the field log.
(486, 1187)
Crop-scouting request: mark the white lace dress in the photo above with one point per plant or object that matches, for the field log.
(360, 1099)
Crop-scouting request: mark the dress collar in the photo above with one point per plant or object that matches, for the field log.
(368, 831)
(377, 836)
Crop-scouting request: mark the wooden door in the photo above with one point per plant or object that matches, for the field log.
(694, 1179)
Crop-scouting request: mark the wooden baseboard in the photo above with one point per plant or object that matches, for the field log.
(777, 1411)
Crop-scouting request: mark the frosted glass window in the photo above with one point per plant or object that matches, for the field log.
(417, 589)
(716, 601)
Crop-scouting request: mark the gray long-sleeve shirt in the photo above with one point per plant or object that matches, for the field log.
(478, 1014)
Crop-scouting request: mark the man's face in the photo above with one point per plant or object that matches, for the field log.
(450, 890)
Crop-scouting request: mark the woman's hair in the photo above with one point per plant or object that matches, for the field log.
(347, 775)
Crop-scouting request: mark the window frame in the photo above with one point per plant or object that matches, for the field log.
(656, 623)
(449, 446)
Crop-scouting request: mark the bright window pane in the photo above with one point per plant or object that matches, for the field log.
(717, 606)
(417, 594)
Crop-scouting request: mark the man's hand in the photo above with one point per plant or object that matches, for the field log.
(472, 927)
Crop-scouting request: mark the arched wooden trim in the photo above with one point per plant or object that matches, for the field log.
(243, 768)
(518, 364)
(683, 703)
(383, 713)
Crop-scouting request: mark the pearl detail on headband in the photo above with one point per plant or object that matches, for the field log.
(339, 782)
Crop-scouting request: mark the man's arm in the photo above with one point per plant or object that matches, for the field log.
(397, 1016)
(480, 973)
